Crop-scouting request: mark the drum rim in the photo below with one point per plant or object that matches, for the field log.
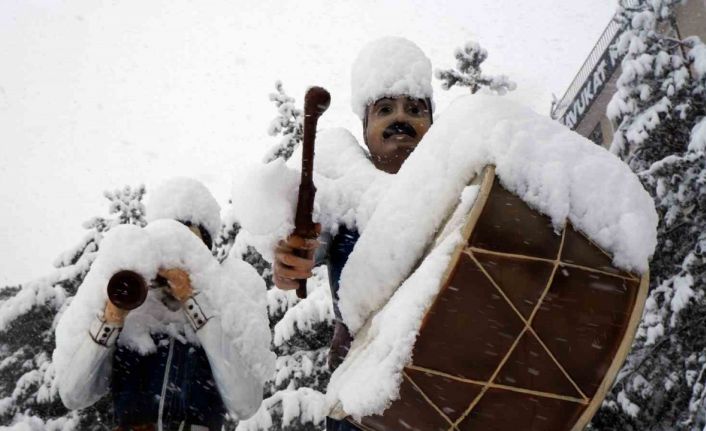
(488, 178)
(619, 358)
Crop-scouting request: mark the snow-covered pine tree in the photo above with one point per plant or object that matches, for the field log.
(659, 108)
(301, 329)
(288, 123)
(226, 238)
(28, 314)
(468, 72)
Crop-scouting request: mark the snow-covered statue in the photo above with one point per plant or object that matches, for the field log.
(392, 95)
(488, 271)
(196, 348)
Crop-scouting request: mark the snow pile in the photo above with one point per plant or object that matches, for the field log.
(263, 200)
(35, 293)
(697, 141)
(234, 290)
(185, 199)
(390, 66)
(304, 404)
(26, 422)
(35, 384)
(697, 54)
(299, 316)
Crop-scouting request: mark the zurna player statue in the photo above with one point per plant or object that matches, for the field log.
(173, 363)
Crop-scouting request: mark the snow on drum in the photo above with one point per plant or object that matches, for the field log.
(512, 307)
(527, 332)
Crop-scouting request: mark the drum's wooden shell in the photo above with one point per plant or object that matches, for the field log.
(527, 333)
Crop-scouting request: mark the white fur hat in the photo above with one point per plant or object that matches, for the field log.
(388, 67)
(185, 199)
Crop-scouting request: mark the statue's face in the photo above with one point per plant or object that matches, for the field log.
(395, 125)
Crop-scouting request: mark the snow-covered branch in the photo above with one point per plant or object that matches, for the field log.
(468, 72)
(288, 123)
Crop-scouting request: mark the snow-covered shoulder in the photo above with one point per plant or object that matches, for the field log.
(351, 185)
(264, 197)
(348, 188)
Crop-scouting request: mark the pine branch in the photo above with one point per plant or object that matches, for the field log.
(468, 72)
(288, 123)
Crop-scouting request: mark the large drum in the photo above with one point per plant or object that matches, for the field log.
(528, 331)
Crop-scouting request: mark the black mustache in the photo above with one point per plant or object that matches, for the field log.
(397, 128)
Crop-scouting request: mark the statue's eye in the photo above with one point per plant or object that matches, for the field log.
(385, 109)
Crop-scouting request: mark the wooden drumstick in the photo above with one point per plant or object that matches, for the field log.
(316, 102)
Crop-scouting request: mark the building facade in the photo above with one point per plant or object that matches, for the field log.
(583, 106)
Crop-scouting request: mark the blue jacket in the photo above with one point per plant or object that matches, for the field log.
(177, 383)
(338, 249)
(176, 380)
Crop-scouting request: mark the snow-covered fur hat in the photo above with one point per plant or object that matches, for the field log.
(389, 67)
(186, 200)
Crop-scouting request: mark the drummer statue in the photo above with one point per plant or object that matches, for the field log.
(395, 107)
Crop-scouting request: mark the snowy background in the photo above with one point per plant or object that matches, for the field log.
(97, 94)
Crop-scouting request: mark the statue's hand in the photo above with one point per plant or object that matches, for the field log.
(294, 261)
(178, 282)
(113, 314)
